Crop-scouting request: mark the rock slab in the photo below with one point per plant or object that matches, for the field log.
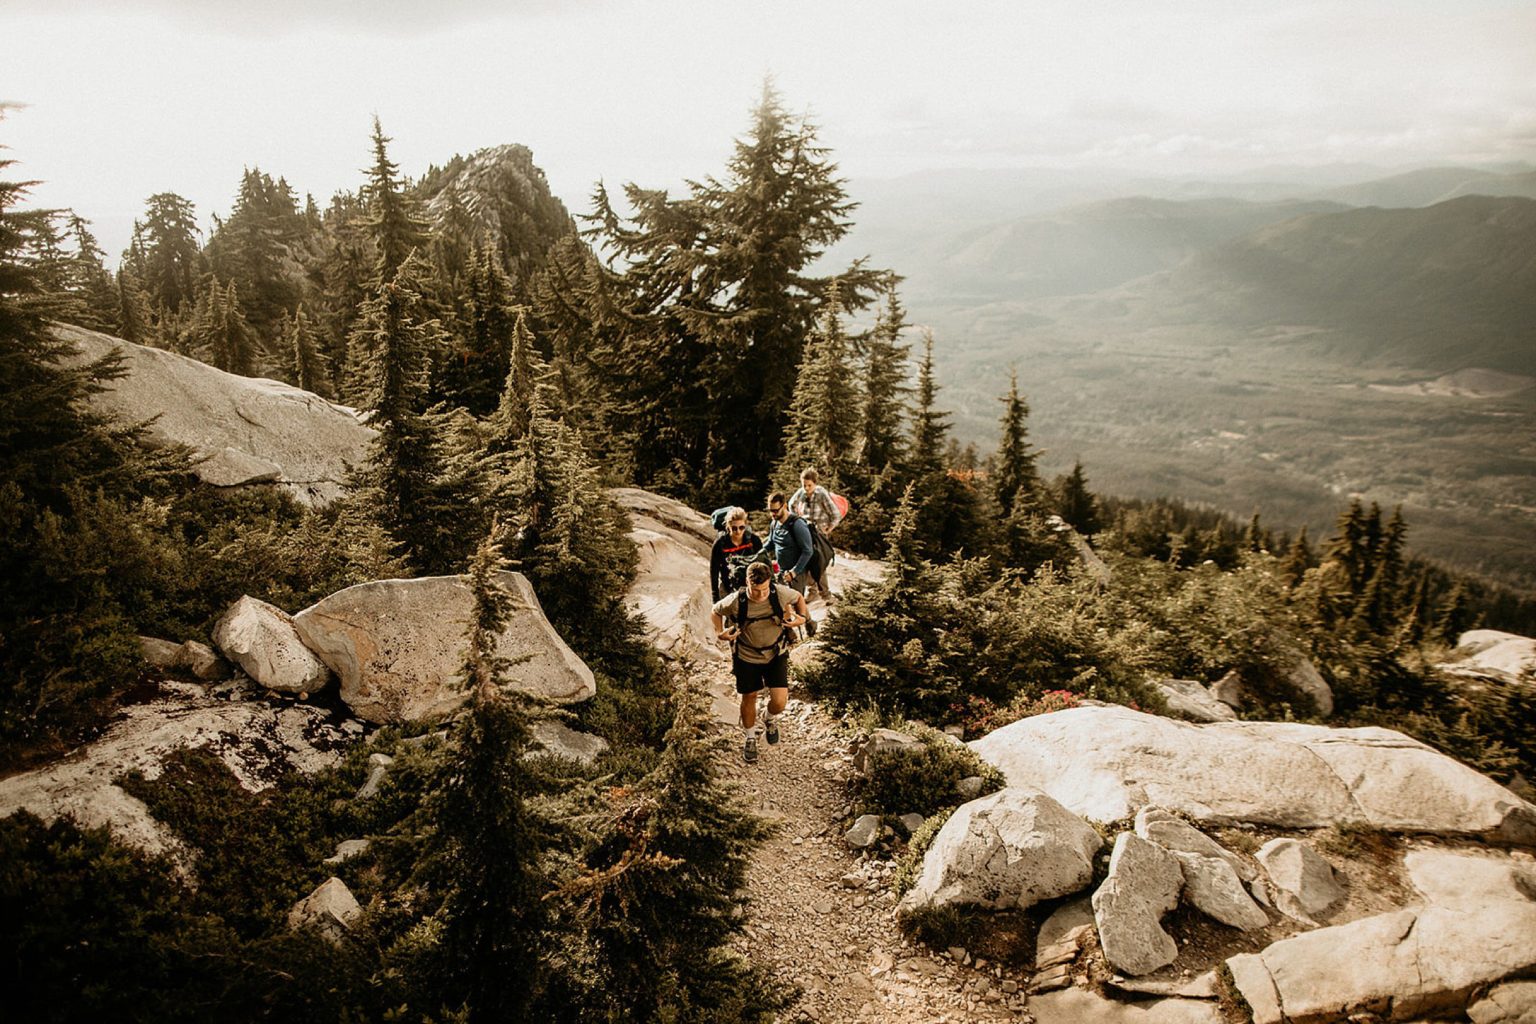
(1105, 763)
(331, 909)
(1405, 964)
(1143, 885)
(398, 647)
(1194, 701)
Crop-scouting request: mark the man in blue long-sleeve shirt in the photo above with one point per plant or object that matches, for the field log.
(790, 540)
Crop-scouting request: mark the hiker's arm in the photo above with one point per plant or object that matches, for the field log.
(801, 609)
(721, 633)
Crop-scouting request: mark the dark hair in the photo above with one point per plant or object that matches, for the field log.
(759, 572)
(777, 498)
(809, 474)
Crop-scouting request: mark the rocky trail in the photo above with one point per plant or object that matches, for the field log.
(821, 915)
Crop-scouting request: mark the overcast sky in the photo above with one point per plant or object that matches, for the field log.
(124, 98)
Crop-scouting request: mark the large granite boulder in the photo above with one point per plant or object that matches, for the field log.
(1492, 654)
(398, 646)
(1143, 884)
(1459, 878)
(1012, 848)
(1105, 763)
(242, 430)
(262, 640)
(256, 741)
(1403, 965)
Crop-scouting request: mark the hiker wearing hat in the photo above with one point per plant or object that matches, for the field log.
(756, 621)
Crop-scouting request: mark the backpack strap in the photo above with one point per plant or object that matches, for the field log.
(775, 604)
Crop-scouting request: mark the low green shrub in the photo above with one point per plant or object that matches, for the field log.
(922, 782)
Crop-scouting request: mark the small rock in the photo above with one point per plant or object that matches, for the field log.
(957, 953)
(1051, 979)
(852, 881)
(157, 653)
(203, 661)
(864, 832)
(969, 788)
(331, 908)
(910, 823)
(1010, 986)
(824, 908)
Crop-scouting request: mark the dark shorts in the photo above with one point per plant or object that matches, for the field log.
(752, 678)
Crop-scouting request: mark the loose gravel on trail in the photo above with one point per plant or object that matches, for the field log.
(821, 916)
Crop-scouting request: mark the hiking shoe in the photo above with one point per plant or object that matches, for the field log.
(771, 731)
(749, 752)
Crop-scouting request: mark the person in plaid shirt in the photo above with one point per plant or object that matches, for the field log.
(814, 504)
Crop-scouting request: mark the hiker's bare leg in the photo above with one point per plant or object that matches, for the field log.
(749, 707)
(778, 696)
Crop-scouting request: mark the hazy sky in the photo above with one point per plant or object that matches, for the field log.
(124, 98)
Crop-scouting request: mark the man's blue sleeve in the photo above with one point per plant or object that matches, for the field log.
(803, 538)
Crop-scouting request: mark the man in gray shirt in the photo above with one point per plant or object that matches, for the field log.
(756, 621)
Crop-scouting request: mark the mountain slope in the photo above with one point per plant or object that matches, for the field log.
(1443, 288)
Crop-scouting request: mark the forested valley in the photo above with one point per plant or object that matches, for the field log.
(516, 362)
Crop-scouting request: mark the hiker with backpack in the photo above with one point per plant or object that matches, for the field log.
(760, 617)
(815, 504)
(734, 549)
(789, 538)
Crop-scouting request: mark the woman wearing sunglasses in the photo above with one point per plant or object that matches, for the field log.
(733, 550)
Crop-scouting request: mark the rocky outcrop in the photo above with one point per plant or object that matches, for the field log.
(242, 430)
(262, 640)
(1513, 1002)
(1143, 884)
(1403, 965)
(398, 647)
(1013, 848)
(1174, 834)
(671, 589)
(1193, 701)
(1105, 763)
(1491, 654)
(257, 742)
(1212, 887)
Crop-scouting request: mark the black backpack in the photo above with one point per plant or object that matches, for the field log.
(784, 640)
(822, 553)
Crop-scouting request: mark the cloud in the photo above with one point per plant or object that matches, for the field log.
(275, 18)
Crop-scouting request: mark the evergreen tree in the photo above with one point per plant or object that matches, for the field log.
(257, 248)
(69, 484)
(656, 898)
(307, 364)
(495, 926)
(523, 374)
(165, 257)
(1015, 476)
(91, 282)
(885, 389)
(135, 318)
(715, 285)
(219, 334)
(475, 371)
(404, 476)
(342, 271)
(396, 227)
(1076, 503)
(1297, 560)
(930, 427)
(823, 419)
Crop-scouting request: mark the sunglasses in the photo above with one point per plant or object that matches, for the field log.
(737, 527)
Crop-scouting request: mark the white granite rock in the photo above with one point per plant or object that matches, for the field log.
(1166, 829)
(1143, 884)
(398, 647)
(1010, 849)
(1454, 877)
(1213, 888)
(1404, 964)
(243, 428)
(1492, 654)
(262, 640)
(1512, 1002)
(560, 740)
(1192, 700)
(330, 908)
(1105, 763)
(1301, 880)
(257, 742)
